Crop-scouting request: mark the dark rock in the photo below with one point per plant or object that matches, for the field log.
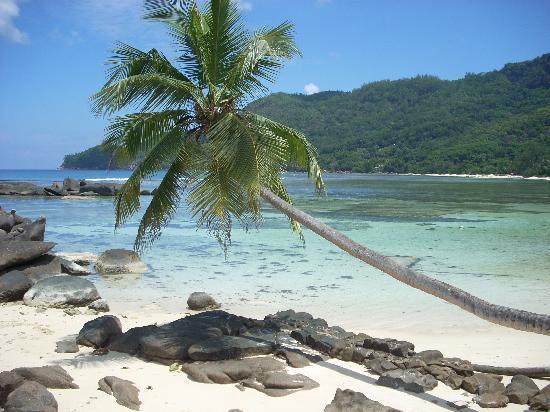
(521, 389)
(230, 371)
(41, 267)
(29, 230)
(360, 354)
(541, 402)
(67, 345)
(491, 400)
(72, 268)
(409, 379)
(53, 377)
(125, 393)
(61, 291)
(350, 401)
(107, 189)
(171, 342)
(414, 362)
(460, 366)
(13, 286)
(280, 383)
(99, 305)
(481, 383)
(201, 301)
(98, 332)
(379, 365)
(145, 193)
(30, 397)
(8, 382)
(120, 261)
(228, 347)
(71, 185)
(346, 354)
(292, 319)
(393, 346)
(7, 221)
(20, 188)
(429, 356)
(293, 358)
(17, 253)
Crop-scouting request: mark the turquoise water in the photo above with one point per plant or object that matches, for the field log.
(490, 237)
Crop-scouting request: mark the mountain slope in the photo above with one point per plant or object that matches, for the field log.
(496, 122)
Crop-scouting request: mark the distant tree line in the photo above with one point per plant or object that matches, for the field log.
(496, 122)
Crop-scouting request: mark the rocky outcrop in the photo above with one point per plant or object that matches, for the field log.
(125, 393)
(99, 332)
(120, 261)
(60, 292)
(13, 285)
(521, 389)
(20, 189)
(201, 301)
(409, 379)
(17, 253)
(350, 401)
(228, 347)
(30, 396)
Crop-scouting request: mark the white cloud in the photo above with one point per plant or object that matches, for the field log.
(9, 10)
(311, 88)
(244, 5)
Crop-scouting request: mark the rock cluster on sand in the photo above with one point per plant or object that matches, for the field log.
(351, 401)
(25, 389)
(29, 271)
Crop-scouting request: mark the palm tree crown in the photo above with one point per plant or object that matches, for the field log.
(192, 120)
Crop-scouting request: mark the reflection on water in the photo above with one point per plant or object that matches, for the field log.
(490, 237)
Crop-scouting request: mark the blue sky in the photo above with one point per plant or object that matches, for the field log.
(52, 54)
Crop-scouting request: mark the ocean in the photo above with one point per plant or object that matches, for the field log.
(490, 237)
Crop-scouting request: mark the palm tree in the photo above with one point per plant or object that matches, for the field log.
(192, 121)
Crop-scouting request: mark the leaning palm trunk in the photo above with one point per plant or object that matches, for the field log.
(501, 315)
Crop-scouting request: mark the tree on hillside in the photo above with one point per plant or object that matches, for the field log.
(192, 121)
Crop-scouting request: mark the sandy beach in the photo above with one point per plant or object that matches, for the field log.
(28, 337)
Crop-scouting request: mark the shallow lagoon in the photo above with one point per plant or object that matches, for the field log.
(488, 236)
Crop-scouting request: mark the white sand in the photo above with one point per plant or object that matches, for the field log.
(28, 337)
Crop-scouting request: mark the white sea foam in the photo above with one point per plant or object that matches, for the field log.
(108, 179)
(478, 176)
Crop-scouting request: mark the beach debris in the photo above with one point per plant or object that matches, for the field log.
(228, 347)
(350, 401)
(411, 380)
(98, 332)
(13, 285)
(30, 396)
(491, 400)
(99, 305)
(521, 389)
(120, 261)
(481, 383)
(125, 393)
(53, 377)
(174, 367)
(60, 292)
(67, 345)
(541, 402)
(71, 311)
(201, 301)
(20, 252)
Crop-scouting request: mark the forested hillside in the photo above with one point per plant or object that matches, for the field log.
(496, 122)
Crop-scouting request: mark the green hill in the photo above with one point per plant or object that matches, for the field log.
(496, 122)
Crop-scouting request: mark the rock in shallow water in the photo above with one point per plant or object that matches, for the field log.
(125, 393)
(98, 332)
(30, 397)
(201, 301)
(350, 401)
(13, 285)
(61, 292)
(120, 261)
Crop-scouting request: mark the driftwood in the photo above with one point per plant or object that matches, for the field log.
(501, 315)
(543, 372)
